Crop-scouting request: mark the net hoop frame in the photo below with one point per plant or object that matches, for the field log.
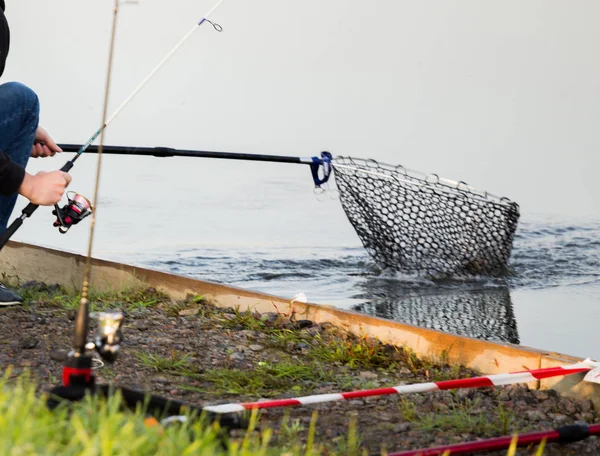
(417, 178)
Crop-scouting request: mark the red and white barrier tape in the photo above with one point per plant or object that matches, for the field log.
(476, 382)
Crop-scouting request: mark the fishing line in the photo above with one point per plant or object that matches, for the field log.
(78, 371)
(82, 322)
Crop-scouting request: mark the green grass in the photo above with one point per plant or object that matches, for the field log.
(265, 380)
(177, 364)
(461, 418)
(126, 298)
(337, 348)
(99, 427)
(289, 432)
(248, 320)
(203, 309)
(364, 353)
(438, 373)
(94, 427)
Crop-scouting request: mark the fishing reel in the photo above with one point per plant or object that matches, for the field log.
(78, 369)
(77, 208)
(109, 336)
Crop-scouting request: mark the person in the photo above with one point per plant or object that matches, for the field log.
(20, 138)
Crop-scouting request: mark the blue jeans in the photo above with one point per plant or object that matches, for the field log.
(19, 118)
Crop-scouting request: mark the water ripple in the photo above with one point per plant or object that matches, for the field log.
(556, 254)
(545, 254)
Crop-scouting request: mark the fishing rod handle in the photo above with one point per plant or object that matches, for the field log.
(25, 213)
(67, 167)
(170, 152)
(14, 226)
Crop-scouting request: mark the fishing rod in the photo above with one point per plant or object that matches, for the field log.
(78, 379)
(31, 208)
(564, 434)
(316, 163)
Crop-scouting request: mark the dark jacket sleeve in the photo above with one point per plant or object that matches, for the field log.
(11, 174)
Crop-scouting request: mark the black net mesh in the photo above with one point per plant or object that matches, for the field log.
(483, 314)
(415, 223)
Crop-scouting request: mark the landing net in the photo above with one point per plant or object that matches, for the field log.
(414, 223)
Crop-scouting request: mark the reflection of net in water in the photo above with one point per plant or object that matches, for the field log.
(482, 314)
(414, 223)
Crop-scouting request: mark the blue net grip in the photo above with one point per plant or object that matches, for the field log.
(324, 161)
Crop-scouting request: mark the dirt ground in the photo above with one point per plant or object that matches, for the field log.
(197, 353)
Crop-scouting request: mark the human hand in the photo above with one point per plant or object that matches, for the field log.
(44, 145)
(45, 188)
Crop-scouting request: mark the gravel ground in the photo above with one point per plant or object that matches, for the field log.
(197, 353)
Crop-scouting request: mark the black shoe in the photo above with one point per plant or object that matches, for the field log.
(8, 298)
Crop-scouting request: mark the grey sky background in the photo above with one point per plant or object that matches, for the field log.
(503, 95)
